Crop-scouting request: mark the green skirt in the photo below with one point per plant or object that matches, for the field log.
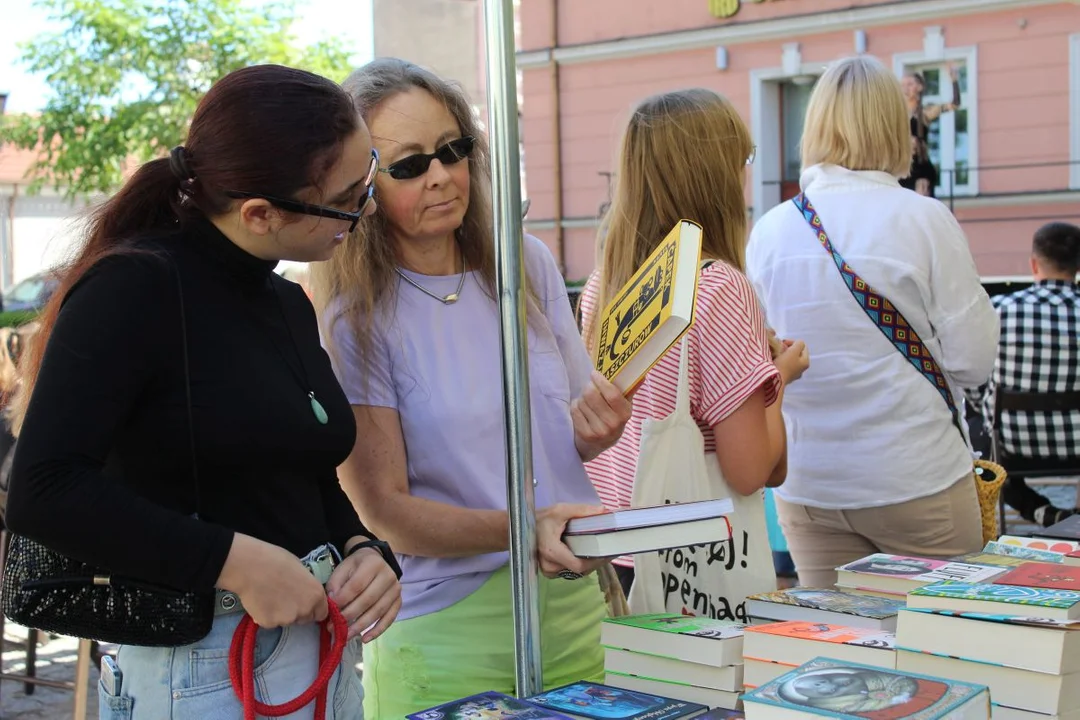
(468, 647)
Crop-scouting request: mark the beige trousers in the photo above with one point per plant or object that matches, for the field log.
(941, 525)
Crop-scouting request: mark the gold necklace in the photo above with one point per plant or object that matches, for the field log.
(444, 299)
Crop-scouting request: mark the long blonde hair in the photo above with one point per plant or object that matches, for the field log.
(361, 277)
(683, 155)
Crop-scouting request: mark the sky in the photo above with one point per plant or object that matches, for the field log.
(22, 21)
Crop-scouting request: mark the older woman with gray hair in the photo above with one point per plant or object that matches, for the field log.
(411, 322)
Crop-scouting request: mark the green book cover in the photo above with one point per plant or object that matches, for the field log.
(1011, 594)
(682, 625)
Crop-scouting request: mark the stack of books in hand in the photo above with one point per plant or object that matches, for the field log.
(690, 658)
(1019, 635)
(772, 650)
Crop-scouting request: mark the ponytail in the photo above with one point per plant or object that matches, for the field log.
(150, 200)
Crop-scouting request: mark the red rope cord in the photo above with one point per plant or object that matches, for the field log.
(242, 667)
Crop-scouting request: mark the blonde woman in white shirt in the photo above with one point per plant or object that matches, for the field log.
(875, 462)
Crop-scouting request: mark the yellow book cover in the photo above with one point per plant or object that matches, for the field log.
(652, 310)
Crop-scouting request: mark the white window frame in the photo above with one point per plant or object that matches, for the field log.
(1074, 112)
(933, 53)
(765, 124)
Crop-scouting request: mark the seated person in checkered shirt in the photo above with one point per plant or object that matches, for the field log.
(1039, 351)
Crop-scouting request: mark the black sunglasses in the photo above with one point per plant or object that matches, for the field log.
(416, 165)
(304, 208)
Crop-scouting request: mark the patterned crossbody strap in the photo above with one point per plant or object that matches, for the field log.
(892, 324)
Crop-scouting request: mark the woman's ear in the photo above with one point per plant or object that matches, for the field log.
(260, 217)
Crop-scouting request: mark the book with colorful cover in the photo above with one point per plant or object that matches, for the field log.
(832, 601)
(1025, 553)
(672, 623)
(487, 706)
(1062, 604)
(837, 689)
(823, 632)
(603, 702)
(702, 640)
(1052, 576)
(981, 557)
(1040, 543)
(652, 310)
(900, 573)
(1004, 619)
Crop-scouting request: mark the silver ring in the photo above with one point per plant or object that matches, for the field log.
(570, 575)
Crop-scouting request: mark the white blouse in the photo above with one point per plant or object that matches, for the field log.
(865, 428)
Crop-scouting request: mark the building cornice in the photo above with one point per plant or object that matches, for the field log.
(732, 33)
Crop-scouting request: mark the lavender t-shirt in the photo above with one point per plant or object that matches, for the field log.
(439, 366)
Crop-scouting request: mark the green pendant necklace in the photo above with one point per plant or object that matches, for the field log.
(317, 408)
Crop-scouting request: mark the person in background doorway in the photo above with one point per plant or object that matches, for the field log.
(923, 177)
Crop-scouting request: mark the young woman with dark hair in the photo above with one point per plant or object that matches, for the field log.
(178, 421)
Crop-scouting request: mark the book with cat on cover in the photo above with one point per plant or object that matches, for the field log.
(898, 574)
(825, 605)
(487, 705)
(603, 702)
(997, 599)
(830, 688)
(1052, 576)
(703, 640)
(652, 310)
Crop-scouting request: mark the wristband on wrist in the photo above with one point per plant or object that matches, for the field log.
(384, 549)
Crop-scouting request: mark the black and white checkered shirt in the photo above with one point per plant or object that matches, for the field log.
(1039, 351)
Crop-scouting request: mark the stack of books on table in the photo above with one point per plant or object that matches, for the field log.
(822, 605)
(694, 659)
(577, 701)
(831, 688)
(1018, 635)
(776, 649)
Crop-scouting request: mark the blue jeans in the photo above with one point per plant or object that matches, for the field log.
(192, 682)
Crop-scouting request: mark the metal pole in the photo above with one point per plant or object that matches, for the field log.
(509, 271)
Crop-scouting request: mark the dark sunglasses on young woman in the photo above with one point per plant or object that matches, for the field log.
(414, 166)
(304, 208)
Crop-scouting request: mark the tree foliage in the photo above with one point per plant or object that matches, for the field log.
(126, 76)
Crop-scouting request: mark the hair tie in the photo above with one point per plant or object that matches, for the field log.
(178, 164)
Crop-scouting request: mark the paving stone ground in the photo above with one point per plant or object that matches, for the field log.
(56, 656)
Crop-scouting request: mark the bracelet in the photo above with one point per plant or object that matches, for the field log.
(384, 549)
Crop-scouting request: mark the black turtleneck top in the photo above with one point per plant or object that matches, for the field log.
(103, 467)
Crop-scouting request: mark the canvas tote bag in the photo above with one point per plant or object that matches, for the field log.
(705, 580)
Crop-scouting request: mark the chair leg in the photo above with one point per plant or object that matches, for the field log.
(31, 659)
(82, 679)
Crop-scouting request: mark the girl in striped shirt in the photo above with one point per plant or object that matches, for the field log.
(684, 155)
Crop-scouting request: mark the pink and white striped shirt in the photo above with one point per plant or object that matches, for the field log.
(729, 361)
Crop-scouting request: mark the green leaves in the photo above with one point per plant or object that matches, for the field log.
(126, 76)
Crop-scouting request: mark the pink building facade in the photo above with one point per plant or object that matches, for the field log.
(1009, 160)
